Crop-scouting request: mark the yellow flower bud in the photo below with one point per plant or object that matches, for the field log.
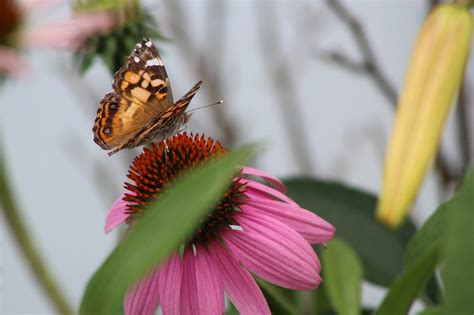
(432, 82)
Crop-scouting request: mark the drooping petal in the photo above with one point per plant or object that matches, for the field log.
(241, 288)
(275, 182)
(280, 256)
(313, 228)
(189, 292)
(209, 284)
(264, 191)
(169, 284)
(117, 214)
(143, 299)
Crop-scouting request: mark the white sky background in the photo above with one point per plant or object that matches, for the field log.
(48, 118)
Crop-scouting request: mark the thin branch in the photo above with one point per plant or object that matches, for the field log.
(279, 73)
(26, 244)
(372, 69)
(464, 120)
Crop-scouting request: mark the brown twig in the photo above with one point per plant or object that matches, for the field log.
(464, 120)
(279, 73)
(370, 67)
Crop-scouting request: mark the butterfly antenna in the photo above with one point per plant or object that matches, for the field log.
(209, 105)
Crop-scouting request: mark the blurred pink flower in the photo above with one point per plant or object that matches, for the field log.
(255, 228)
(69, 33)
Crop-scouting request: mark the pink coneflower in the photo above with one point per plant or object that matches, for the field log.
(68, 33)
(253, 229)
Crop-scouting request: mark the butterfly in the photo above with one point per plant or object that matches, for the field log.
(140, 108)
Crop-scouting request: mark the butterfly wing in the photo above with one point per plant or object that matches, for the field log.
(165, 125)
(143, 79)
(141, 93)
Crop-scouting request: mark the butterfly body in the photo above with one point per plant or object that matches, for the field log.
(140, 108)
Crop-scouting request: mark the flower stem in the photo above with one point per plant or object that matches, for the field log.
(26, 245)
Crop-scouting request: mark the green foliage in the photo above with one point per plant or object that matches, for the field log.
(168, 222)
(352, 212)
(410, 283)
(115, 46)
(446, 237)
(459, 250)
(342, 271)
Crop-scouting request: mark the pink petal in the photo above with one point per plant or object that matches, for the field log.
(116, 214)
(169, 286)
(261, 190)
(189, 292)
(313, 228)
(275, 256)
(275, 182)
(143, 299)
(210, 287)
(11, 62)
(71, 32)
(241, 288)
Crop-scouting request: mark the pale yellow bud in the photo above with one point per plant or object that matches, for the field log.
(432, 82)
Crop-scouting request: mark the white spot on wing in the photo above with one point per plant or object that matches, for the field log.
(149, 43)
(153, 62)
(136, 59)
(139, 45)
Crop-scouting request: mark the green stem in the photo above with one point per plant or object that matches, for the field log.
(25, 243)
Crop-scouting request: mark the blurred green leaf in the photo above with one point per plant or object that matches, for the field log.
(429, 236)
(168, 222)
(342, 273)
(431, 311)
(280, 300)
(410, 283)
(459, 251)
(352, 212)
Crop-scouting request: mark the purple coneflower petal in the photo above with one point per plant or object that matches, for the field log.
(275, 182)
(117, 214)
(11, 62)
(144, 297)
(189, 291)
(263, 191)
(239, 285)
(71, 32)
(169, 286)
(313, 228)
(209, 284)
(274, 252)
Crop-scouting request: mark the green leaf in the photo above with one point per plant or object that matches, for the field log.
(165, 225)
(429, 236)
(459, 251)
(410, 283)
(342, 271)
(280, 300)
(352, 211)
(431, 311)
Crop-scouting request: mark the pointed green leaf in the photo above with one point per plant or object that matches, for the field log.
(166, 224)
(410, 283)
(342, 273)
(459, 251)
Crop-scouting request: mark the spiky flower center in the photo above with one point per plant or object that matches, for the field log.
(160, 165)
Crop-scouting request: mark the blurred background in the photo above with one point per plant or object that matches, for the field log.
(299, 76)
